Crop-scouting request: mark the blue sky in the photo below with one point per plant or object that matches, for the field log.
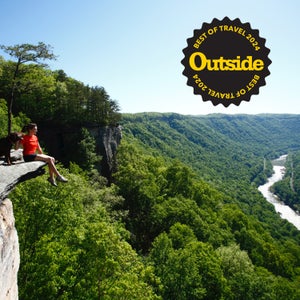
(134, 48)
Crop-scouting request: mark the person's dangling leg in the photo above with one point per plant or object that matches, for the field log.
(53, 172)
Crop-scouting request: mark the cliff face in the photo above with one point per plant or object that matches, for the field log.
(9, 252)
(9, 245)
(62, 143)
(107, 140)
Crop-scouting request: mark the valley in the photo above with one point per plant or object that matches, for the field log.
(285, 211)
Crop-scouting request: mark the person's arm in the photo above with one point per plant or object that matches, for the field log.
(19, 144)
(39, 149)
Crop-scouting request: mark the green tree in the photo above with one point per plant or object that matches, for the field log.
(3, 117)
(239, 272)
(87, 156)
(17, 121)
(179, 209)
(189, 270)
(137, 177)
(24, 53)
(71, 248)
(36, 89)
(179, 180)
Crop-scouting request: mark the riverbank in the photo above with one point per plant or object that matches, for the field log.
(285, 211)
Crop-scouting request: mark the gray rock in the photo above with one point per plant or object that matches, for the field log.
(19, 171)
(9, 253)
(10, 176)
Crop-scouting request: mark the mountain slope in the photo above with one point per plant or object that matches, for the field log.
(231, 152)
(238, 141)
(190, 189)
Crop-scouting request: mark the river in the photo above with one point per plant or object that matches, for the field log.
(285, 211)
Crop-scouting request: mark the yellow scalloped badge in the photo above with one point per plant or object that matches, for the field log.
(226, 61)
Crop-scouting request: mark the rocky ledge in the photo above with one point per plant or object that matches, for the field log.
(10, 176)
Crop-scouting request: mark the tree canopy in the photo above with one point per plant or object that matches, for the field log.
(23, 53)
(182, 218)
(30, 87)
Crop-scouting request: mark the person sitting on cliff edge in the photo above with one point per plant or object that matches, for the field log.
(32, 151)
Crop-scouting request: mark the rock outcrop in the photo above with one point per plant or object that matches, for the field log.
(107, 141)
(9, 245)
(20, 171)
(9, 252)
(62, 143)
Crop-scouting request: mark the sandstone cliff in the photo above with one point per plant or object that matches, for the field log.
(9, 246)
(62, 141)
(107, 140)
(9, 252)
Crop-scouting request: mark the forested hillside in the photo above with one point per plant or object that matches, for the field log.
(184, 215)
(288, 189)
(220, 148)
(61, 106)
(182, 218)
(29, 87)
(215, 164)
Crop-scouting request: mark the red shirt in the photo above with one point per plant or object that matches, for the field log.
(30, 144)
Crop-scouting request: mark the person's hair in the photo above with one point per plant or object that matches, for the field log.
(28, 127)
